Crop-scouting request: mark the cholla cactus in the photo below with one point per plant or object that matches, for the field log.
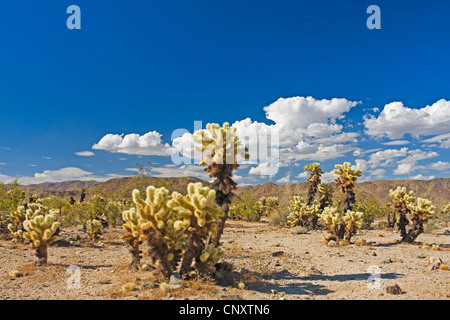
(420, 211)
(157, 227)
(353, 221)
(269, 204)
(332, 219)
(221, 148)
(313, 179)
(346, 180)
(326, 192)
(402, 200)
(210, 256)
(300, 213)
(341, 226)
(132, 226)
(446, 208)
(200, 214)
(40, 231)
(174, 226)
(26, 212)
(94, 228)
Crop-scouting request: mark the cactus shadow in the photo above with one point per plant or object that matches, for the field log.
(293, 288)
(386, 245)
(349, 277)
(88, 267)
(296, 288)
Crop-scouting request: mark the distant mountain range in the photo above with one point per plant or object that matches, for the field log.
(437, 190)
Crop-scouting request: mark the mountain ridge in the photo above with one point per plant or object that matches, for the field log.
(437, 190)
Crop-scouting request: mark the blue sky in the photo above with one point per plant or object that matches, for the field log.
(139, 67)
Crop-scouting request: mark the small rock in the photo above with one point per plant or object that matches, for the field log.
(374, 254)
(244, 271)
(277, 253)
(233, 297)
(388, 261)
(11, 247)
(332, 243)
(173, 286)
(299, 230)
(274, 291)
(395, 289)
(149, 285)
(175, 278)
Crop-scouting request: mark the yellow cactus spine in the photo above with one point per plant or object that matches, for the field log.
(446, 208)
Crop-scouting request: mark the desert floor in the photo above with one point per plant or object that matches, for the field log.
(273, 263)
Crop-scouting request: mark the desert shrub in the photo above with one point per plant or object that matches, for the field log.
(11, 197)
(279, 216)
(370, 210)
(247, 208)
(96, 208)
(269, 204)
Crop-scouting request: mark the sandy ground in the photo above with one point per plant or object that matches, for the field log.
(274, 263)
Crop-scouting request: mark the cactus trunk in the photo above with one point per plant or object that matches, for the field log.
(135, 252)
(195, 247)
(41, 254)
(223, 185)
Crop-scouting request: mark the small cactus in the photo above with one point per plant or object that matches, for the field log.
(302, 214)
(353, 221)
(336, 222)
(132, 226)
(40, 232)
(94, 228)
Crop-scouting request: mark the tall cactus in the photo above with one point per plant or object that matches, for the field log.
(314, 182)
(402, 200)
(421, 210)
(313, 179)
(220, 147)
(40, 232)
(326, 192)
(346, 180)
